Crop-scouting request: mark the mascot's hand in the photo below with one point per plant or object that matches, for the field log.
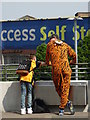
(72, 62)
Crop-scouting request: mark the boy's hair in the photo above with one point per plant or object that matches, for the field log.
(53, 36)
(32, 56)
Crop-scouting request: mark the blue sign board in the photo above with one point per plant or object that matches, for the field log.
(31, 33)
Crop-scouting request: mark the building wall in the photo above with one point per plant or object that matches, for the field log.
(15, 56)
(83, 14)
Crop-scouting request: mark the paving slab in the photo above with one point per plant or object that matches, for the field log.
(45, 116)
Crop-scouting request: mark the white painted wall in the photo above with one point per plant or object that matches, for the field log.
(10, 94)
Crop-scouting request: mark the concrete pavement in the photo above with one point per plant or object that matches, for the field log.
(47, 116)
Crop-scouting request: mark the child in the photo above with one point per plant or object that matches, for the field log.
(26, 86)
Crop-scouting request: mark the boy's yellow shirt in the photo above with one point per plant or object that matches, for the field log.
(28, 78)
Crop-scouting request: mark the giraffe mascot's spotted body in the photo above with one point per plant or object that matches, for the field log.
(61, 71)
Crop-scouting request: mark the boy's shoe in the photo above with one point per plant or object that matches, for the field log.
(61, 112)
(23, 111)
(71, 108)
(29, 110)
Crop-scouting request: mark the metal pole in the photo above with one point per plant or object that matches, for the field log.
(75, 28)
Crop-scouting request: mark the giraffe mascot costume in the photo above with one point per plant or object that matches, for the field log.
(57, 52)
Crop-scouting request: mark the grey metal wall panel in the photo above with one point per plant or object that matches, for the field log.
(45, 90)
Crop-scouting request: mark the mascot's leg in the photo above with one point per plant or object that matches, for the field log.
(65, 85)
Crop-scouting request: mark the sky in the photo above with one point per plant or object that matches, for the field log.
(14, 9)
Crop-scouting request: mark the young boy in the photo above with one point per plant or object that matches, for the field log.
(26, 87)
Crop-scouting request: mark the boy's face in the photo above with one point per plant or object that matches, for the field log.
(34, 58)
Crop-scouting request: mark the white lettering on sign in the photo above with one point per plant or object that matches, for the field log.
(9, 35)
(31, 32)
(18, 35)
(2, 35)
(25, 35)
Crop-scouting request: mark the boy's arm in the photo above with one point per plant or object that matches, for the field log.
(47, 62)
(40, 63)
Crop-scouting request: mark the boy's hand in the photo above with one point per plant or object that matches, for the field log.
(33, 83)
(43, 64)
